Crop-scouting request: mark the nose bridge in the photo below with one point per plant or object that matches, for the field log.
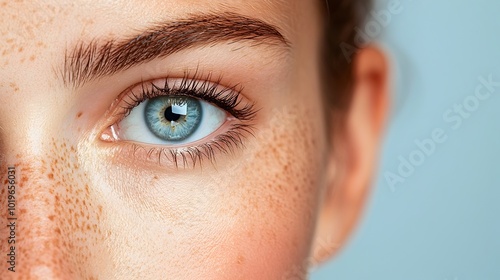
(56, 230)
(53, 217)
(41, 211)
(31, 224)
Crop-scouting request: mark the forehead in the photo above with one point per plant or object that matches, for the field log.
(31, 28)
(28, 20)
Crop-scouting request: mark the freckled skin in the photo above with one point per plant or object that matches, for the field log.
(83, 213)
(58, 218)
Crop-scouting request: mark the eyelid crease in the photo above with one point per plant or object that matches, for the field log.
(196, 85)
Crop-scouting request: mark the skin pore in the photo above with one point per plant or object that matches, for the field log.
(280, 196)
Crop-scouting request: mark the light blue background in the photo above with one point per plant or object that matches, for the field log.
(442, 223)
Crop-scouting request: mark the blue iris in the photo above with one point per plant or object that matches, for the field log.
(173, 118)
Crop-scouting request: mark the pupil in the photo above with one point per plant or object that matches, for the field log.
(170, 116)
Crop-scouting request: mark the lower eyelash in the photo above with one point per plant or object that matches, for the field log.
(191, 156)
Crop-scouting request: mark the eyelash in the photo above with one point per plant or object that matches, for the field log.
(197, 86)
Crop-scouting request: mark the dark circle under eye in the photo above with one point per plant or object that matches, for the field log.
(173, 118)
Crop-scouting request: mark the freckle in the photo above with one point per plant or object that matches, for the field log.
(32, 58)
(241, 260)
(47, 245)
(21, 49)
(14, 87)
(51, 217)
(79, 115)
(50, 176)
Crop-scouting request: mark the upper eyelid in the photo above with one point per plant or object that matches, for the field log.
(213, 90)
(238, 106)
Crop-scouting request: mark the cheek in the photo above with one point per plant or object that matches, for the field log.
(281, 184)
(250, 218)
(80, 215)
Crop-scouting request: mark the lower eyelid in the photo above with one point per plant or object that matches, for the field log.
(184, 157)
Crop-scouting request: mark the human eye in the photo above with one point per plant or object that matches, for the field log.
(183, 120)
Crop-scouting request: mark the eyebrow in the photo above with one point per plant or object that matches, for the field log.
(90, 61)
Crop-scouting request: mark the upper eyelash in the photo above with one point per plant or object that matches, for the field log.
(227, 99)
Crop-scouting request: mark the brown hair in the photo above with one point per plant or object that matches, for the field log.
(341, 18)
